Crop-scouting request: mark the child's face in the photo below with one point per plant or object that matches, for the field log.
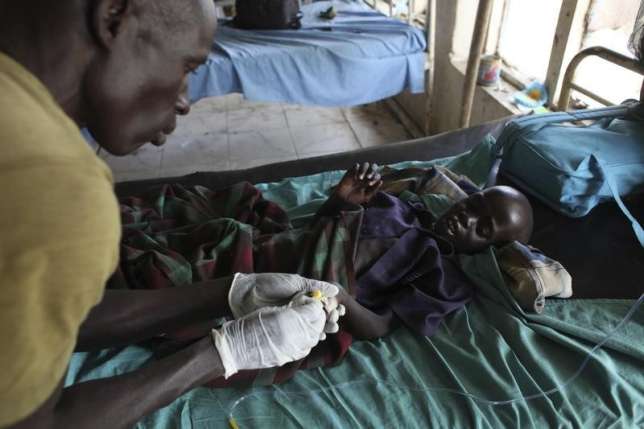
(495, 215)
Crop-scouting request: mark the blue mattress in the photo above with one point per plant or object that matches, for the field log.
(360, 57)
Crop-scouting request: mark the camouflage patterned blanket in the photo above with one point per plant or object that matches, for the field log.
(174, 237)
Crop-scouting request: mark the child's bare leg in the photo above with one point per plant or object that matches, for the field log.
(357, 187)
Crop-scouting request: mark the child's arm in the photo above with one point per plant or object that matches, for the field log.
(361, 322)
(357, 187)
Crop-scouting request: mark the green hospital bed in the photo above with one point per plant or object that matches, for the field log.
(490, 352)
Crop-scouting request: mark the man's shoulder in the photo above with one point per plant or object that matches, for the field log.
(33, 126)
(47, 167)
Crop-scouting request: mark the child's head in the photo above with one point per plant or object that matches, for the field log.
(495, 215)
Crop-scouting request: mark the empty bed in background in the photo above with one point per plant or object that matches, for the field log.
(359, 57)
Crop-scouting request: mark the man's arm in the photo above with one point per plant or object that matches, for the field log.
(256, 341)
(128, 316)
(119, 402)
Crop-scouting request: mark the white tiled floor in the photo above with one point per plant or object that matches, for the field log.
(225, 133)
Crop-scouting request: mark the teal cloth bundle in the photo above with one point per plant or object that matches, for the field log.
(572, 168)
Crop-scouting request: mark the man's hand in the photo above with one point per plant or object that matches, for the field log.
(270, 337)
(251, 292)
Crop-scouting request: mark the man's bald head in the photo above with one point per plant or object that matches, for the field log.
(171, 17)
(118, 67)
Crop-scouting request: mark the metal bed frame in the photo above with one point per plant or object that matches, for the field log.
(600, 52)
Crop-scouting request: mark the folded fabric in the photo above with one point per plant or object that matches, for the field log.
(532, 276)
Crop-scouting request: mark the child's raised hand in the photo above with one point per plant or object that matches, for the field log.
(359, 184)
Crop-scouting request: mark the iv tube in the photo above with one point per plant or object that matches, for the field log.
(233, 423)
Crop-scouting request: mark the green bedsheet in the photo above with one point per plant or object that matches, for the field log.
(492, 349)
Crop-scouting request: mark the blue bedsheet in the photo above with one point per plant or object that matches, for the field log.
(360, 57)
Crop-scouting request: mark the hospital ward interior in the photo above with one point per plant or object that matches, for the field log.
(322, 214)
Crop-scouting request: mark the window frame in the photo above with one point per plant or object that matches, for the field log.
(570, 30)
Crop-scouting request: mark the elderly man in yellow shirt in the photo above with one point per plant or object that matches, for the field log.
(117, 67)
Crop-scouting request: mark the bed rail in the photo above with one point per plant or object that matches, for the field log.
(606, 54)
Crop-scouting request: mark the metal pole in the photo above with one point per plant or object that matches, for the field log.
(597, 51)
(410, 11)
(559, 47)
(430, 32)
(481, 26)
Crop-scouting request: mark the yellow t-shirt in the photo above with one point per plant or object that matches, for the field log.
(59, 234)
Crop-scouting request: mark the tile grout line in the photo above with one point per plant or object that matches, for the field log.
(290, 133)
(355, 134)
(229, 161)
(253, 130)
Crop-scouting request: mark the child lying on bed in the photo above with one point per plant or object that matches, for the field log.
(405, 258)
(396, 260)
